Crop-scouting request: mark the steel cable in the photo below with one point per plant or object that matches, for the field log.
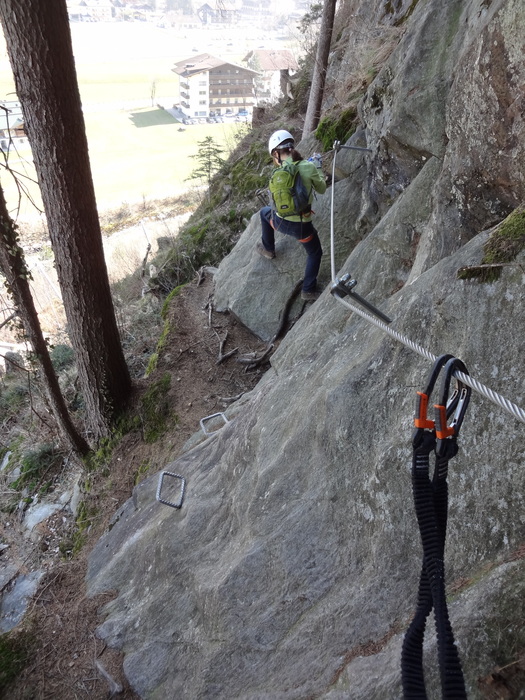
(508, 406)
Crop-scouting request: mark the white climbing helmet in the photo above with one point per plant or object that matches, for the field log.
(280, 139)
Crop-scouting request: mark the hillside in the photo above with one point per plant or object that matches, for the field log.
(291, 569)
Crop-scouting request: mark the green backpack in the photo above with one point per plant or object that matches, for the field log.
(288, 192)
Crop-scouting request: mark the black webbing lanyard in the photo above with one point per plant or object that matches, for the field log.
(431, 505)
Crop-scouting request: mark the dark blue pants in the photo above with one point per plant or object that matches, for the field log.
(302, 231)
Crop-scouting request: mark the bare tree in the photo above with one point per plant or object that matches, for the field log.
(13, 267)
(39, 45)
(315, 101)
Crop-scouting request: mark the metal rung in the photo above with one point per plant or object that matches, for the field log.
(213, 415)
(177, 504)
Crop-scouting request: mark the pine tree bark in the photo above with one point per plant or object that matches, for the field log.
(13, 267)
(39, 45)
(315, 99)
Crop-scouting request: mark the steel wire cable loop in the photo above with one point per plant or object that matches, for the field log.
(508, 406)
(467, 379)
(431, 499)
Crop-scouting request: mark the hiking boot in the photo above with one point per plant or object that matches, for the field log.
(310, 296)
(270, 254)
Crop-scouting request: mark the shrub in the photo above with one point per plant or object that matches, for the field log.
(13, 398)
(35, 465)
(62, 356)
(339, 128)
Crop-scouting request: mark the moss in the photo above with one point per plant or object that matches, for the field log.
(166, 330)
(84, 521)
(99, 459)
(152, 364)
(166, 305)
(15, 651)
(164, 336)
(482, 273)
(155, 411)
(389, 10)
(505, 243)
(338, 128)
(142, 472)
(507, 240)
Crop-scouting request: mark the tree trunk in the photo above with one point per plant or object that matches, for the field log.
(315, 100)
(40, 50)
(13, 267)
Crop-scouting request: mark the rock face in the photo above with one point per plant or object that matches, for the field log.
(291, 569)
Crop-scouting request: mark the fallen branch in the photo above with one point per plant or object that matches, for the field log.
(200, 276)
(253, 363)
(231, 399)
(223, 356)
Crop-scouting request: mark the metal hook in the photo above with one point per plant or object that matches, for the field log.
(460, 400)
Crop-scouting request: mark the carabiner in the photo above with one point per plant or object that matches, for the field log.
(421, 421)
(459, 399)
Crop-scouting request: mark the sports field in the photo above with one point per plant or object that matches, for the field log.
(136, 149)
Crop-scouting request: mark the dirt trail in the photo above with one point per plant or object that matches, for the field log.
(66, 658)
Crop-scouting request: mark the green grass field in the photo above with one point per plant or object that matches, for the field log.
(134, 153)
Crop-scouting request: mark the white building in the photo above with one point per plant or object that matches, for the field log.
(211, 85)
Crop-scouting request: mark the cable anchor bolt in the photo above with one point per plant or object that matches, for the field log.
(343, 285)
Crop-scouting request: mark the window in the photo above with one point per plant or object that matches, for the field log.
(202, 92)
(202, 82)
(202, 102)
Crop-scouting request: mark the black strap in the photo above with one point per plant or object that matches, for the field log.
(431, 506)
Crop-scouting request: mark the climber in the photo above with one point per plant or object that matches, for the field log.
(298, 224)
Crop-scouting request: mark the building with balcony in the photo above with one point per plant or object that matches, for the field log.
(212, 86)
